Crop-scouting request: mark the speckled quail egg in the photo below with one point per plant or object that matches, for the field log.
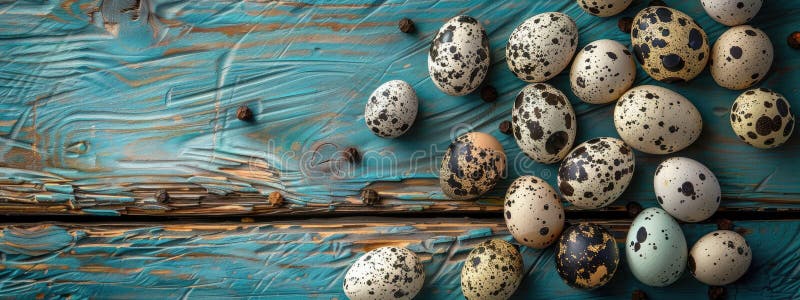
(762, 118)
(656, 248)
(493, 270)
(459, 56)
(686, 189)
(542, 46)
(719, 258)
(391, 109)
(670, 45)
(596, 172)
(586, 256)
(471, 166)
(656, 120)
(533, 212)
(731, 12)
(740, 57)
(602, 71)
(385, 273)
(604, 8)
(543, 123)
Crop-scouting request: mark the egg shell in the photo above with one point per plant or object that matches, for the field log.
(741, 57)
(391, 109)
(596, 172)
(719, 258)
(731, 12)
(471, 166)
(669, 44)
(542, 46)
(762, 118)
(586, 256)
(656, 120)
(603, 8)
(656, 249)
(602, 71)
(533, 212)
(686, 189)
(543, 123)
(385, 273)
(493, 270)
(458, 59)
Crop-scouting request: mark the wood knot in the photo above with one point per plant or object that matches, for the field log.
(489, 93)
(351, 154)
(633, 208)
(638, 295)
(244, 113)
(505, 127)
(717, 293)
(794, 40)
(625, 24)
(724, 224)
(369, 197)
(406, 25)
(162, 196)
(275, 199)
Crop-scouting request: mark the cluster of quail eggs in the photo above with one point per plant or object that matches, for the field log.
(670, 46)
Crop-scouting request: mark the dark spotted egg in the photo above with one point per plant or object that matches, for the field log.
(533, 212)
(391, 109)
(493, 270)
(655, 248)
(471, 166)
(604, 8)
(586, 256)
(719, 258)
(385, 273)
(686, 189)
(732, 12)
(542, 46)
(543, 123)
(595, 173)
(762, 118)
(740, 57)
(459, 56)
(656, 120)
(602, 71)
(669, 44)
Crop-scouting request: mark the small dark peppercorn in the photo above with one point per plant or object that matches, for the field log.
(406, 25)
(724, 224)
(162, 196)
(717, 293)
(369, 197)
(505, 127)
(275, 199)
(794, 40)
(633, 208)
(657, 3)
(244, 113)
(488, 93)
(638, 295)
(351, 155)
(625, 24)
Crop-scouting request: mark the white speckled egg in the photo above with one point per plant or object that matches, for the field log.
(533, 212)
(604, 8)
(543, 123)
(391, 109)
(595, 173)
(542, 46)
(719, 258)
(669, 44)
(656, 248)
(686, 189)
(762, 118)
(471, 166)
(385, 273)
(493, 270)
(740, 57)
(602, 71)
(731, 12)
(459, 56)
(656, 120)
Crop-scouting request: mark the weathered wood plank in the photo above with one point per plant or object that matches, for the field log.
(104, 102)
(278, 260)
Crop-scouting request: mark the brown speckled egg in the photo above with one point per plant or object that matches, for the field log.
(544, 123)
(762, 118)
(604, 8)
(458, 59)
(596, 172)
(719, 258)
(533, 212)
(669, 44)
(542, 46)
(493, 270)
(471, 166)
(740, 57)
(587, 256)
(385, 273)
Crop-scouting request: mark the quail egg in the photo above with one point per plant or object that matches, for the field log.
(493, 270)
(533, 212)
(762, 118)
(731, 12)
(604, 8)
(740, 57)
(385, 273)
(602, 71)
(542, 46)
(586, 256)
(459, 56)
(471, 166)
(719, 258)
(596, 172)
(656, 248)
(543, 123)
(391, 109)
(686, 189)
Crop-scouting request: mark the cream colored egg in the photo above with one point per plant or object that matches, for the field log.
(542, 46)
(602, 71)
(604, 8)
(719, 258)
(374, 275)
(762, 118)
(533, 212)
(741, 57)
(471, 166)
(732, 12)
(493, 270)
(458, 59)
(596, 172)
(543, 123)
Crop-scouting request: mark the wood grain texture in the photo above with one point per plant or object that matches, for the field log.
(102, 103)
(308, 259)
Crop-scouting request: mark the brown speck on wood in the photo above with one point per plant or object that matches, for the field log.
(489, 93)
(244, 113)
(638, 295)
(724, 224)
(657, 3)
(162, 196)
(794, 40)
(406, 25)
(633, 208)
(625, 24)
(351, 155)
(717, 293)
(369, 197)
(505, 127)
(275, 199)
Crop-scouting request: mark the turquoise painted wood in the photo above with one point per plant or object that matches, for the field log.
(104, 102)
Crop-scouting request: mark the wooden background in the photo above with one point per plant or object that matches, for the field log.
(103, 103)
